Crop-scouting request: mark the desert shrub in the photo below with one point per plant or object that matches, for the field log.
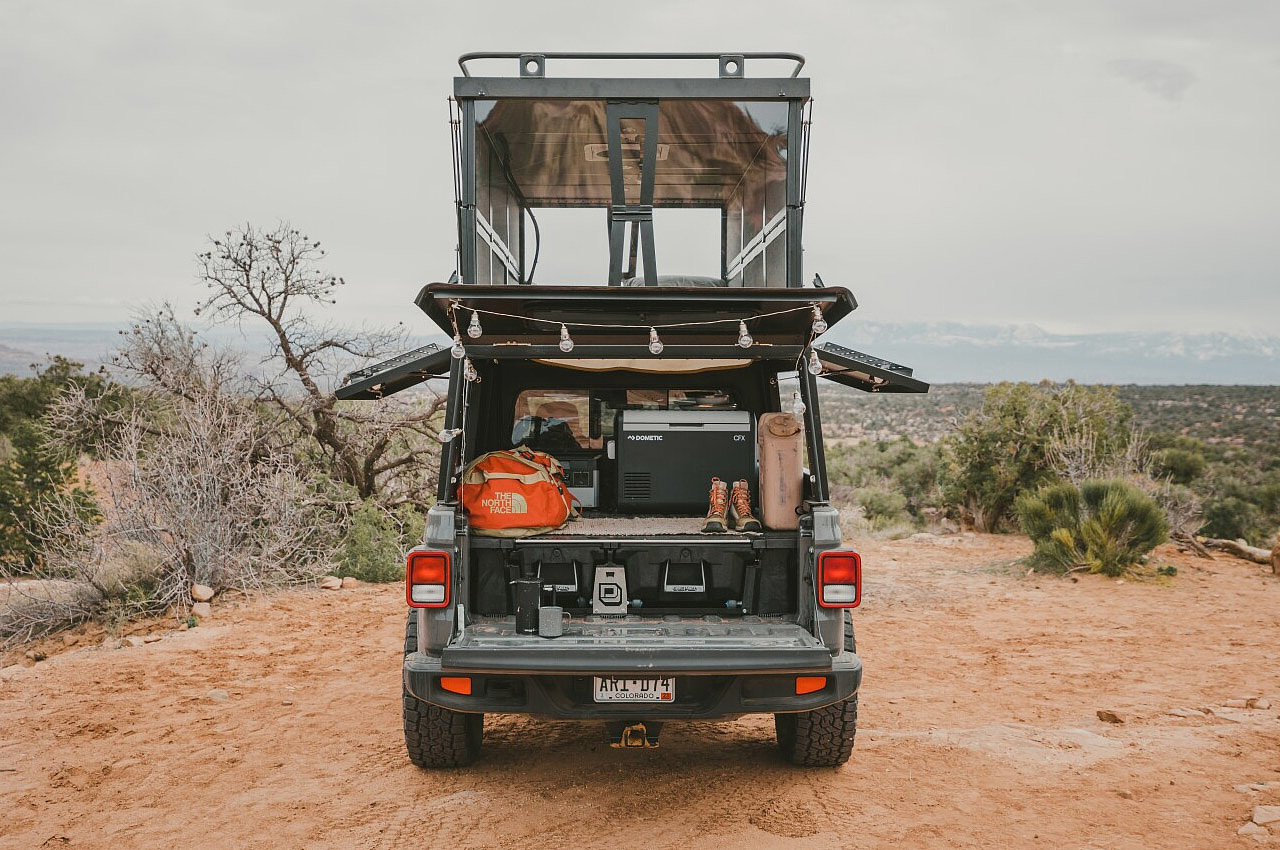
(1232, 518)
(375, 542)
(1104, 526)
(1180, 466)
(881, 504)
(895, 481)
(1011, 445)
(32, 466)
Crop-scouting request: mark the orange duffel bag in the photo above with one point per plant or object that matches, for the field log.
(516, 493)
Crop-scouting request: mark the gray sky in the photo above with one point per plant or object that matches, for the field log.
(1094, 164)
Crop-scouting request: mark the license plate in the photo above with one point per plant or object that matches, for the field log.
(609, 689)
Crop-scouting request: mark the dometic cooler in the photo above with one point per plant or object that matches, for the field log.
(667, 458)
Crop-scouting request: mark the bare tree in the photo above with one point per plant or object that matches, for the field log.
(388, 451)
(197, 488)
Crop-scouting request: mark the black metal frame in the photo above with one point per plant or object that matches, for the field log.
(539, 60)
(631, 98)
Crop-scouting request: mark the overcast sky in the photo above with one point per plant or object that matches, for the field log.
(1092, 164)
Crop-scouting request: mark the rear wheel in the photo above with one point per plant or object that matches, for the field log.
(435, 736)
(822, 737)
(819, 738)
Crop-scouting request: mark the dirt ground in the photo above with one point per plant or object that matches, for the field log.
(979, 728)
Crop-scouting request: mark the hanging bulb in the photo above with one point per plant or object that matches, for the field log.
(655, 344)
(797, 405)
(815, 365)
(819, 321)
(458, 351)
(469, 371)
(449, 434)
(744, 336)
(566, 343)
(474, 330)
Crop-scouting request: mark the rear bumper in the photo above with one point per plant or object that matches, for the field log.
(718, 685)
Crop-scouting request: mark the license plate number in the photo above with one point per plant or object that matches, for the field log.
(610, 689)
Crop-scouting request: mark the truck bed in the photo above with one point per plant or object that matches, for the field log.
(640, 529)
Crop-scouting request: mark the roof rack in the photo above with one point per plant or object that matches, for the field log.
(732, 65)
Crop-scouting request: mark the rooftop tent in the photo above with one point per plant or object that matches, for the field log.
(629, 147)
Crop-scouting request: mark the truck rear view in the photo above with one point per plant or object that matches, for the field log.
(632, 522)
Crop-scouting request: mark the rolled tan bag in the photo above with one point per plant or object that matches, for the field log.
(781, 438)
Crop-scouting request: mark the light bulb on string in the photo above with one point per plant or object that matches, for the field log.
(449, 434)
(474, 330)
(744, 336)
(655, 344)
(469, 370)
(797, 405)
(458, 351)
(566, 342)
(819, 321)
(815, 365)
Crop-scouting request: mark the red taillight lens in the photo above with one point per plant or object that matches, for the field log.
(427, 579)
(839, 579)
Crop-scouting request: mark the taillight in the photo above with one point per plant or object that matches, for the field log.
(427, 579)
(839, 579)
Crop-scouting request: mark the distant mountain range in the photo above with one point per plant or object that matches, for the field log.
(946, 352)
(941, 352)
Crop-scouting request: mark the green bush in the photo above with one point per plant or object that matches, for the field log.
(1232, 518)
(896, 481)
(1178, 465)
(375, 543)
(1104, 526)
(33, 468)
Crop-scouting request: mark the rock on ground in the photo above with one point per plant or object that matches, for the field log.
(330, 583)
(1252, 830)
(1263, 815)
(201, 592)
(202, 610)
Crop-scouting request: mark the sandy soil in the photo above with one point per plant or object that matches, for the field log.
(979, 729)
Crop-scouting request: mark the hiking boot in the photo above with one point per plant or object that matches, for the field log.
(740, 508)
(717, 512)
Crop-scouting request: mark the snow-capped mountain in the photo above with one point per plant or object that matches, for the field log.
(947, 352)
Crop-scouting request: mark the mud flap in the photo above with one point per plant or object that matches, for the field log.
(628, 735)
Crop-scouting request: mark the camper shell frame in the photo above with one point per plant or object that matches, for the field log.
(757, 626)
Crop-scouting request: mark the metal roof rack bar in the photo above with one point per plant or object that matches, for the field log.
(534, 64)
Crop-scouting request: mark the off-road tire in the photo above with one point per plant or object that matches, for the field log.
(822, 737)
(437, 737)
(819, 738)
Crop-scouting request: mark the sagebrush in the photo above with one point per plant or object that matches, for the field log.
(1103, 526)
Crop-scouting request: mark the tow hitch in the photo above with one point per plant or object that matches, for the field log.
(633, 735)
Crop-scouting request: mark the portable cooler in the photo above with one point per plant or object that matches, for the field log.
(667, 458)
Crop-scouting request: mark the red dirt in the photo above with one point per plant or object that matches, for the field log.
(979, 728)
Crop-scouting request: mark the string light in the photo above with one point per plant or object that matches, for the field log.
(797, 405)
(819, 321)
(449, 434)
(475, 330)
(469, 370)
(815, 365)
(655, 344)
